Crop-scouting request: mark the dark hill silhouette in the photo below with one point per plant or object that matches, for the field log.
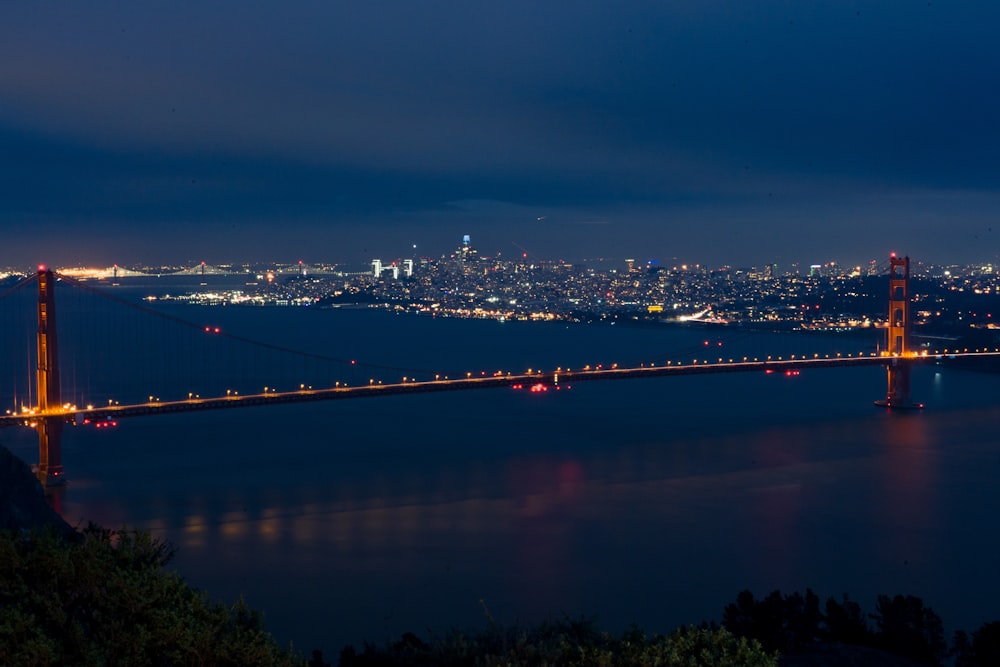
(22, 500)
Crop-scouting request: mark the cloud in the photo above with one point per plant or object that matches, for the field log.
(391, 111)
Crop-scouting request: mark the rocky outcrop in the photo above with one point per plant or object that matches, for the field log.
(22, 500)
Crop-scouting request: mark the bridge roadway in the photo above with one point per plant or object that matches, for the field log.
(546, 378)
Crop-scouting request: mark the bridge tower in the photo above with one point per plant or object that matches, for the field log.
(897, 338)
(50, 469)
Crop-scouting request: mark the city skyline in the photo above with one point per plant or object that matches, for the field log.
(722, 133)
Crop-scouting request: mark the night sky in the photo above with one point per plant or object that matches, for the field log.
(716, 132)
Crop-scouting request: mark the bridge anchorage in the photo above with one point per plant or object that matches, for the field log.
(897, 338)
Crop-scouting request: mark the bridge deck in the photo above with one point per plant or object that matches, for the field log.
(548, 378)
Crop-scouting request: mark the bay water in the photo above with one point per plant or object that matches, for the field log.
(651, 502)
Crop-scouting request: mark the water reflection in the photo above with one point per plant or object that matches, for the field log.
(537, 497)
(615, 525)
(909, 473)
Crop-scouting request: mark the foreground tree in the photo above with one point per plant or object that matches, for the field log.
(845, 622)
(908, 628)
(779, 622)
(904, 626)
(982, 651)
(108, 600)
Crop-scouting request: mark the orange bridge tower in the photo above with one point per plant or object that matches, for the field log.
(50, 469)
(897, 347)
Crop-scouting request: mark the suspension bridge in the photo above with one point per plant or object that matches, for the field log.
(154, 346)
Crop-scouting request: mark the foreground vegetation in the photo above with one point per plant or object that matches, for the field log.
(902, 630)
(107, 598)
(902, 625)
(567, 642)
